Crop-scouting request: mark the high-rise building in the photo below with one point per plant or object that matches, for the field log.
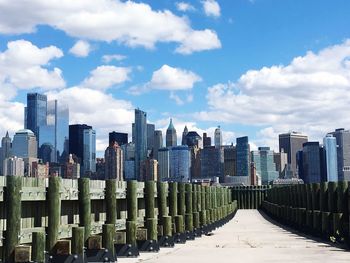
(114, 162)
(13, 166)
(129, 161)
(5, 150)
(180, 164)
(140, 132)
(263, 159)
(47, 153)
(195, 153)
(229, 160)
(290, 143)
(311, 163)
(150, 137)
(330, 146)
(343, 153)
(158, 143)
(164, 164)
(82, 144)
(149, 170)
(217, 137)
(24, 144)
(212, 163)
(119, 137)
(192, 139)
(206, 140)
(89, 156)
(49, 122)
(281, 161)
(242, 156)
(184, 133)
(35, 113)
(171, 137)
(72, 168)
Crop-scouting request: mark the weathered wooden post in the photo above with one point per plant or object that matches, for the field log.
(315, 196)
(38, 247)
(195, 206)
(78, 241)
(108, 232)
(173, 199)
(181, 200)
(85, 206)
(189, 212)
(111, 201)
(167, 240)
(150, 221)
(203, 212)
(332, 197)
(54, 212)
(324, 196)
(342, 209)
(180, 236)
(13, 217)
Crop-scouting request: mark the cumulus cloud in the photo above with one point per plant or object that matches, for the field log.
(81, 49)
(25, 66)
(310, 95)
(110, 58)
(171, 79)
(211, 8)
(184, 6)
(126, 22)
(104, 77)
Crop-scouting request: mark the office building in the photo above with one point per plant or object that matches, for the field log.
(149, 170)
(35, 113)
(195, 153)
(180, 164)
(242, 157)
(140, 136)
(212, 162)
(89, 156)
(114, 162)
(184, 133)
(206, 140)
(129, 161)
(311, 163)
(192, 139)
(343, 153)
(5, 150)
(158, 143)
(164, 164)
(119, 137)
(47, 153)
(217, 137)
(281, 161)
(230, 160)
(290, 143)
(24, 144)
(265, 166)
(171, 137)
(72, 168)
(150, 137)
(13, 166)
(330, 147)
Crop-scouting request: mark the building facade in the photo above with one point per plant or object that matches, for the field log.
(171, 137)
(24, 144)
(242, 156)
(265, 166)
(164, 164)
(5, 150)
(119, 137)
(180, 164)
(13, 166)
(140, 137)
(311, 163)
(212, 162)
(343, 153)
(217, 137)
(158, 143)
(89, 156)
(330, 147)
(206, 140)
(230, 160)
(114, 162)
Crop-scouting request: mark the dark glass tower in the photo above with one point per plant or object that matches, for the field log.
(171, 137)
(76, 140)
(242, 156)
(35, 112)
(119, 137)
(140, 137)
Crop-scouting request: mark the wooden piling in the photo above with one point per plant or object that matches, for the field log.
(108, 232)
(54, 212)
(85, 206)
(38, 247)
(111, 201)
(78, 240)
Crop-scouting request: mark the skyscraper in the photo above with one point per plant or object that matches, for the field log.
(114, 162)
(150, 136)
(311, 162)
(264, 164)
(330, 146)
(217, 137)
(229, 160)
(164, 164)
(35, 113)
(281, 161)
(25, 144)
(192, 139)
(171, 137)
(290, 143)
(343, 153)
(180, 164)
(82, 144)
(158, 143)
(206, 140)
(13, 166)
(184, 133)
(212, 162)
(5, 150)
(242, 156)
(149, 170)
(119, 137)
(140, 131)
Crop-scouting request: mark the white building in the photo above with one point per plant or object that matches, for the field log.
(13, 166)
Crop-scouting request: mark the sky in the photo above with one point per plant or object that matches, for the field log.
(252, 67)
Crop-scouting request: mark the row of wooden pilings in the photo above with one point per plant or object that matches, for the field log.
(321, 209)
(249, 197)
(185, 211)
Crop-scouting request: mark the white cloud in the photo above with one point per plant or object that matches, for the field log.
(109, 58)
(104, 77)
(211, 8)
(176, 98)
(184, 6)
(81, 49)
(126, 22)
(310, 95)
(25, 66)
(171, 79)
(96, 108)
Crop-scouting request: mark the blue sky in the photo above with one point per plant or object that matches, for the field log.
(254, 67)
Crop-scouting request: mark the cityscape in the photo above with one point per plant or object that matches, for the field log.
(50, 146)
(174, 131)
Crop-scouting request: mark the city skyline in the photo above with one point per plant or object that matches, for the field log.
(232, 63)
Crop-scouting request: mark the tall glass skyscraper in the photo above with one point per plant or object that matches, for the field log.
(330, 146)
(242, 156)
(180, 164)
(311, 162)
(171, 137)
(264, 164)
(35, 112)
(343, 153)
(217, 137)
(140, 139)
(89, 159)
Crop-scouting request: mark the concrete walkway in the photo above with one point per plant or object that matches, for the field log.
(249, 237)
